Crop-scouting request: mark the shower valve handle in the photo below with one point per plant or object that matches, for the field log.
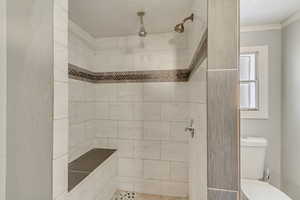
(191, 129)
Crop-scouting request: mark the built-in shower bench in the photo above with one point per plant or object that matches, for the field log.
(92, 173)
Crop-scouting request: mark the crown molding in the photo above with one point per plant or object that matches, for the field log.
(265, 27)
(294, 17)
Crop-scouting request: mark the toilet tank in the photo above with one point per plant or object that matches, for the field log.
(253, 151)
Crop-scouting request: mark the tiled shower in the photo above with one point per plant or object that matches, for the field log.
(144, 121)
(56, 117)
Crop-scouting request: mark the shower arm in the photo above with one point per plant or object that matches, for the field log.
(142, 32)
(142, 20)
(191, 18)
(141, 15)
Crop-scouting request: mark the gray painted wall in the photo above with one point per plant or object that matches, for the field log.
(270, 128)
(30, 99)
(291, 110)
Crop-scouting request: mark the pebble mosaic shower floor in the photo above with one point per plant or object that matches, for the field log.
(126, 195)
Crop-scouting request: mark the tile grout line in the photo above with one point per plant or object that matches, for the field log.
(222, 69)
(223, 190)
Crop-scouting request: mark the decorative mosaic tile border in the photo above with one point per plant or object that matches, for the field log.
(176, 75)
(179, 75)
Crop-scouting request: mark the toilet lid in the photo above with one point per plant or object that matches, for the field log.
(258, 190)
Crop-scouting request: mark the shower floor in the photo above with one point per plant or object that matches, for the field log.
(125, 195)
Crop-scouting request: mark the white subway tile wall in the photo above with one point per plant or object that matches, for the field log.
(199, 8)
(156, 52)
(144, 121)
(198, 145)
(61, 113)
(60, 137)
(152, 149)
(101, 184)
(83, 111)
(80, 53)
(60, 176)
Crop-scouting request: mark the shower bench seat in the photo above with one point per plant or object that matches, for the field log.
(91, 173)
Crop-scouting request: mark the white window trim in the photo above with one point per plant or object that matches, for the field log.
(263, 84)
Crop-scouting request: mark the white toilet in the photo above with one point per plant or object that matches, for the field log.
(253, 152)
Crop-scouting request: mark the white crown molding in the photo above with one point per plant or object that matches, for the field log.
(294, 17)
(266, 27)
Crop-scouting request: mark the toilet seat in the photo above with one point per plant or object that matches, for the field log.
(258, 190)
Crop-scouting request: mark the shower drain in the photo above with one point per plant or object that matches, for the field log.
(124, 195)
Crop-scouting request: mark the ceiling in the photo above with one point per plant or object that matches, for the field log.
(108, 18)
(259, 12)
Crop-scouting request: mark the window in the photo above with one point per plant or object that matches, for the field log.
(254, 82)
(248, 81)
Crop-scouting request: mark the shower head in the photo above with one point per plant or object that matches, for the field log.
(142, 32)
(179, 28)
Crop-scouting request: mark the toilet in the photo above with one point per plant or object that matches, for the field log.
(253, 151)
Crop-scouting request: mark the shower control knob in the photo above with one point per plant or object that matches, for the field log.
(190, 130)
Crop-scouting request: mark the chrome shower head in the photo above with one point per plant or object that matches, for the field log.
(142, 32)
(179, 28)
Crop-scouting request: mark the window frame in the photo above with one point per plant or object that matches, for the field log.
(262, 78)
